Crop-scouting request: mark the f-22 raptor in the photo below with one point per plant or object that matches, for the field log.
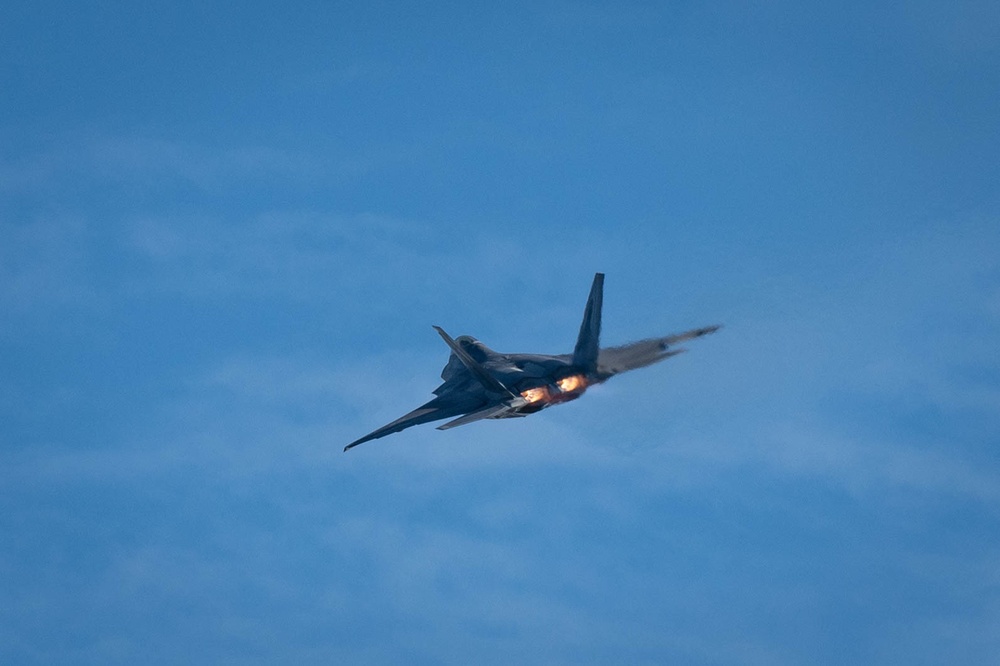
(480, 383)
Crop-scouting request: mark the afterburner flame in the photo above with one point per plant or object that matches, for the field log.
(571, 383)
(535, 394)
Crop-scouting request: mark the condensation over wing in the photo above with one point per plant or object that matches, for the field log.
(492, 412)
(615, 360)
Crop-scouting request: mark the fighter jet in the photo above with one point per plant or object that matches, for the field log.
(480, 383)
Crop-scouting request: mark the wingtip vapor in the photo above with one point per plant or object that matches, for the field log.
(480, 383)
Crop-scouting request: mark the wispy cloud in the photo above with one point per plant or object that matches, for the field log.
(46, 261)
(284, 252)
(153, 163)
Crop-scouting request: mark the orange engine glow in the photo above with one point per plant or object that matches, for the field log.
(570, 384)
(535, 394)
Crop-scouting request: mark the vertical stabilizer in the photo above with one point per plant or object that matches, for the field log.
(588, 342)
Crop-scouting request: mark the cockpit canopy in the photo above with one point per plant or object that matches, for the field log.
(474, 348)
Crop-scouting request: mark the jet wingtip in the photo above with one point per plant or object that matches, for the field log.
(356, 442)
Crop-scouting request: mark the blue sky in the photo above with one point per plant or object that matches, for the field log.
(225, 232)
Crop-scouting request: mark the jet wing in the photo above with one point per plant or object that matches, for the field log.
(435, 410)
(615, 360)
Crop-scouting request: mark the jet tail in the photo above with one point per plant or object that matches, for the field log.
(588, 341)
